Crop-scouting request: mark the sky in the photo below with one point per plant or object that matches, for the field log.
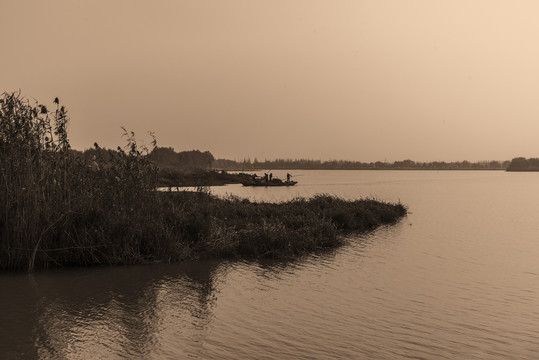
(359, 80)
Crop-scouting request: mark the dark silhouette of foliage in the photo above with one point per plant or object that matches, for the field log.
(184, 160)
(291, 164)
(62, 207)
(523, 164)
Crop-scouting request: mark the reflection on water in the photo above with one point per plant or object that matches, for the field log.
(120, 312)
(457, 279)
(105, 313)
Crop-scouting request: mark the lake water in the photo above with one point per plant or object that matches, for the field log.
(458, 278)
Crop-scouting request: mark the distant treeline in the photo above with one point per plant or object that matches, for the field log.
(193, 159)
(356, 165)
(163, 157)
(523, 164)
(187, 162)
(174, 164)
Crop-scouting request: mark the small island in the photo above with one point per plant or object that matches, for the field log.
(60, 207)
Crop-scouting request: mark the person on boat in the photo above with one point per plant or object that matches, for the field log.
(288, 176)
(271, 176)
(253, 177)
(265, 177)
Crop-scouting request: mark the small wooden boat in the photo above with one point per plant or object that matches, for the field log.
(272, 182)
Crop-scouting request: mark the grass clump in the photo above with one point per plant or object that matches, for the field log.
(60, 209)
(209, 227)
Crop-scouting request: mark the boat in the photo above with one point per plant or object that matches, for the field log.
(261, 181)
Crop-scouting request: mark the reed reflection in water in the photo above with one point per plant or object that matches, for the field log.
(104, 313)
(156, 311)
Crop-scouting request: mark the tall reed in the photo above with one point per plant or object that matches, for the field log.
(58, 208)
(46, 192)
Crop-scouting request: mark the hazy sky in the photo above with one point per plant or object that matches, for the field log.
(356, 80)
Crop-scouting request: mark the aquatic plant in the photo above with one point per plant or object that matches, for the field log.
(58, 208)
(47, 193)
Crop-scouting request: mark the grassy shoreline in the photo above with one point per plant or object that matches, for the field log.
(168, 177)
(185, 226)
(59, 209)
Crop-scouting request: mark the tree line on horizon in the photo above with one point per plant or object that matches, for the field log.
(163, 157)
(305, 164)
(523, 164)
(169, 160)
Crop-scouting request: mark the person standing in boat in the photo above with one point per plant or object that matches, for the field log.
(266, 177)
(288, 176)
(271, 176)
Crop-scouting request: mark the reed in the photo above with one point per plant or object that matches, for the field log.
(60, 209)
(47, 193)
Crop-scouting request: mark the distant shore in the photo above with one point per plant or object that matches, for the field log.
(291, 164)
(221, 177)
(366, 169)
(524, 170)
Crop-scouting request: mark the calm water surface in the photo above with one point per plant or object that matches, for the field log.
(458, 278)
